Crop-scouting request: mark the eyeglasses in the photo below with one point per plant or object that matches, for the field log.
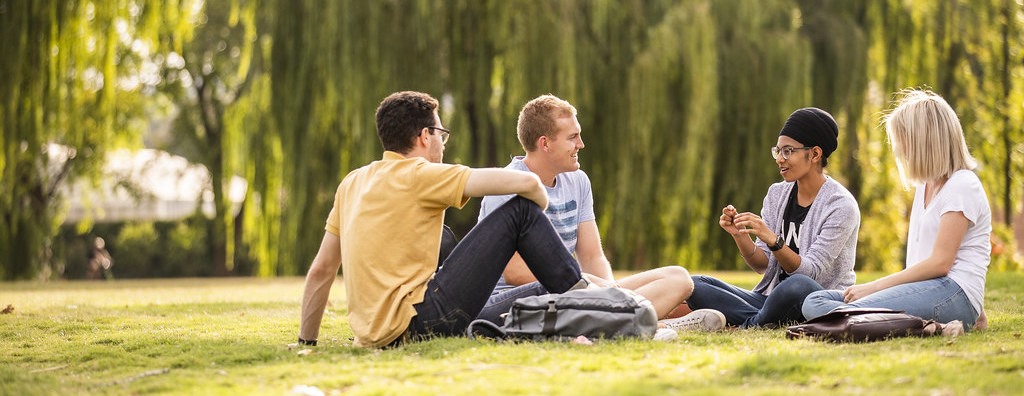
(444, 133)
(785, 152)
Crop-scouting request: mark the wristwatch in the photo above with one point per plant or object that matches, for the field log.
(778, 244)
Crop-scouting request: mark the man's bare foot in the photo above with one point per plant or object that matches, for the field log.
(982, 322)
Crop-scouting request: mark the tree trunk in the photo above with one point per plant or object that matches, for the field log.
(1007, 128)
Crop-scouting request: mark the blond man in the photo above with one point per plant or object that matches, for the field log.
(552, 138)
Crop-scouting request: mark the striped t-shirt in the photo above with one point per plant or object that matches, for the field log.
(570, 202)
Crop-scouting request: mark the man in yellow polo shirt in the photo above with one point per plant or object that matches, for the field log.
(385, 233)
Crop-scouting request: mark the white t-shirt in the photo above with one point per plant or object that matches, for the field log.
(962, 193)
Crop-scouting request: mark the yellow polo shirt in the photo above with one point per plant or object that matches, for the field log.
(388, 216)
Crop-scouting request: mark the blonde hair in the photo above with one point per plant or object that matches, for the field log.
(538, 119)
(926, 138)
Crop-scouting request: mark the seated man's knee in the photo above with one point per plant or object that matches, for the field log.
(522, 201)
(518, 203)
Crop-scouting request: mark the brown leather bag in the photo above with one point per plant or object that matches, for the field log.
(865, 324)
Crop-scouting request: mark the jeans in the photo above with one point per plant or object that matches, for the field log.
(462, 285)
(501, 300)
(939, 299)
(745, 308)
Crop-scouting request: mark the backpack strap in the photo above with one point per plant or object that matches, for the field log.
(485, 328)
(550, 316)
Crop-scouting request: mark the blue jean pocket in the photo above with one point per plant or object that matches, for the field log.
(956, 307)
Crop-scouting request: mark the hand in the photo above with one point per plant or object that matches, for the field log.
(726, 221)
(857, 292)
(599, 281)
(749, 223)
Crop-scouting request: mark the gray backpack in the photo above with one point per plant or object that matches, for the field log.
(594, 313)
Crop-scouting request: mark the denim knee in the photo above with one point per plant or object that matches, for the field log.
(701, 279)
(821, 302)
(798, 285)
(521, 203)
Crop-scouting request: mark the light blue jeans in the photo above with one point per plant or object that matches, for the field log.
(939, 299)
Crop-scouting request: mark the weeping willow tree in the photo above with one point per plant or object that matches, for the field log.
(679, 102)
(764, 69)
(965, 52)
(665, 136)
(72, 89)
(331, 65)
(207, 72)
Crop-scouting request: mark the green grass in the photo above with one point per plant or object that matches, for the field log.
(230, 336)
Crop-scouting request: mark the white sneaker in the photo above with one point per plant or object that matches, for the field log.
(665, 335)
(699, 320)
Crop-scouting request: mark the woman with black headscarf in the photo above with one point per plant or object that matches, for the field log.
(805, 237)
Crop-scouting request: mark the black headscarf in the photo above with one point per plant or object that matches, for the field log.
(811, 127)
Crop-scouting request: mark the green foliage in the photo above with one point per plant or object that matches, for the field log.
(678, 101)
(135, 249)
(72, 90)
(177, 249)
(210, 71)
(1004, 250)
(145, 249)
(229, 336)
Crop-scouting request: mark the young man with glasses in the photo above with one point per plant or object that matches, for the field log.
(806, 235)
(385, 232)
(552, 138)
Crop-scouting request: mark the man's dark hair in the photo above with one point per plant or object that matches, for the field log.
(401, 116)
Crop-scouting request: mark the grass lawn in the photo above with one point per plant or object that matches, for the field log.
(230, 336)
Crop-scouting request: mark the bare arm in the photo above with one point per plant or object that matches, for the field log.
(517, 273)
(495, 181)
(318, 286)
(952, 228)
(589, 252)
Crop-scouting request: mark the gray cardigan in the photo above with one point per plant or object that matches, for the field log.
(828, 236)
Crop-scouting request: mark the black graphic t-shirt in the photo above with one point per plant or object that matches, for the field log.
(792, 218)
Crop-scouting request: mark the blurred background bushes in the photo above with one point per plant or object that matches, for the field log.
(679, 101)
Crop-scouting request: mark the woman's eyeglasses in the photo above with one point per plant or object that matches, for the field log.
(785, 152)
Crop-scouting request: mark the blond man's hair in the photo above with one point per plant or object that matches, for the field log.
(538, 119)
(926, 138)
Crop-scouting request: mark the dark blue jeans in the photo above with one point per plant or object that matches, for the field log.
(745, 308)
(462, 285)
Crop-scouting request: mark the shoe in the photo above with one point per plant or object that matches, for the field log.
(665, 335)
(582, 284)
(953, 329)
(699, 320)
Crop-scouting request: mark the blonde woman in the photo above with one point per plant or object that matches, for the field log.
(948, 245)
